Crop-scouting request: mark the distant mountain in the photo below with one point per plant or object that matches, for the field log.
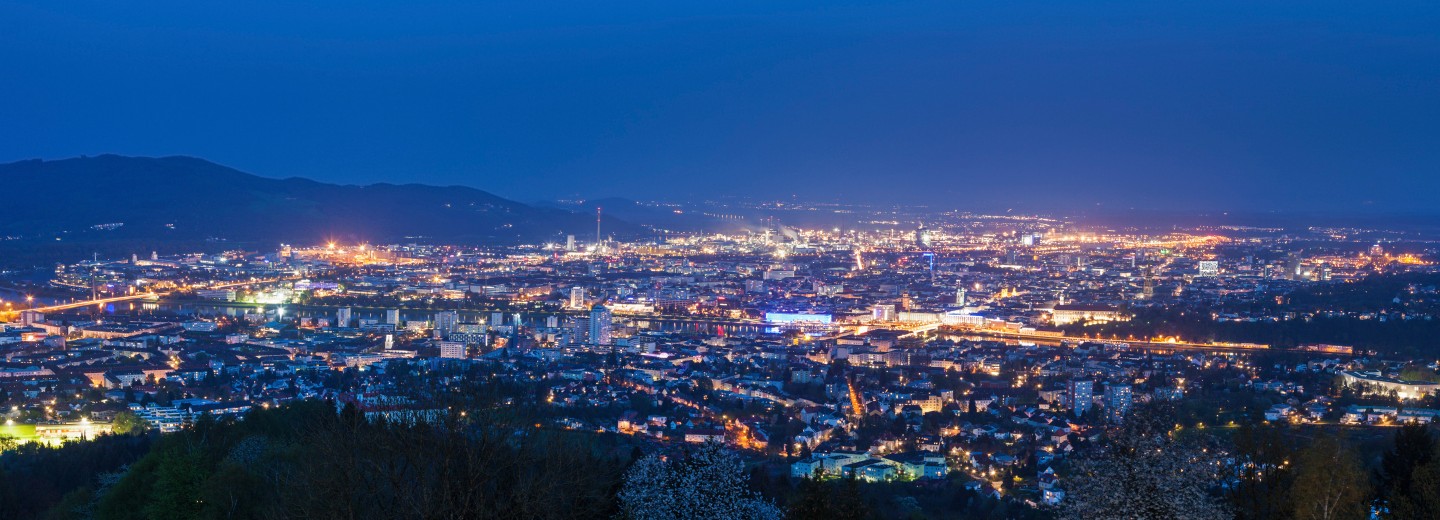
(655, 216)
(185, 199)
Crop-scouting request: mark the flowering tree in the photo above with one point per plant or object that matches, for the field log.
(1143, 473)
(707, 484)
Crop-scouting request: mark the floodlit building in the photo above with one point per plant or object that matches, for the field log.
(1067, 314)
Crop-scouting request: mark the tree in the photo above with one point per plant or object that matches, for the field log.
(1414, 447)
(1262, 473)
(177, 485)
(126, 422)
(1141, 472)
(820, 500)
(709, 483)
(812, 502)
(1330, 483)
(1423, 498)
(1413, 454)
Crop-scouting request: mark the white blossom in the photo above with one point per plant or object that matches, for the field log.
(707, 484)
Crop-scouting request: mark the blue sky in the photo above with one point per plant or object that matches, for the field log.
(1244, 105)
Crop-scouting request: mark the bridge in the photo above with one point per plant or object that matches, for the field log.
(8, 315)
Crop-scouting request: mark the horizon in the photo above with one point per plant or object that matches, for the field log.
(1213, 107)
(757, 260)
(1081, 214)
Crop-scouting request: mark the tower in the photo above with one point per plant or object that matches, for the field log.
(597, 229)
(1149, 290)
(1082, 395)
(600, 321)
(1118, 399)
(960, 296)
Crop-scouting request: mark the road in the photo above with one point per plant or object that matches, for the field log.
(10, 314)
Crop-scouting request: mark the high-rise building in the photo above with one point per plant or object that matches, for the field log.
(389, 341)
(1148, 291)
(447, 322)
(577, 297)
(1118, 399)
(600, 323)
(1082, 395)
(392, 317)
(577, 331)
(569, 242)
(1294, 267)
(342, 317)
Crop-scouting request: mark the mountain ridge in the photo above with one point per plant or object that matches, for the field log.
(189, 198)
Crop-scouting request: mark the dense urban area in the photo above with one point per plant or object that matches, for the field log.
(897, 366)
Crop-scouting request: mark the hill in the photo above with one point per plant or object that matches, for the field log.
(189, 199)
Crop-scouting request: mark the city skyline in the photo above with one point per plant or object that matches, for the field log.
(749, 260)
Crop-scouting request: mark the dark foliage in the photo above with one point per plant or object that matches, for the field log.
(35, 477)
(307, 461)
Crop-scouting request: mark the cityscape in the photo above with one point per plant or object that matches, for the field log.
(979, 351)
(761, 261)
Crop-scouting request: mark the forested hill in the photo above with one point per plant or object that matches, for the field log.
(186, 199)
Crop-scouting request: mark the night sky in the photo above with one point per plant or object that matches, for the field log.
(1244, 105)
